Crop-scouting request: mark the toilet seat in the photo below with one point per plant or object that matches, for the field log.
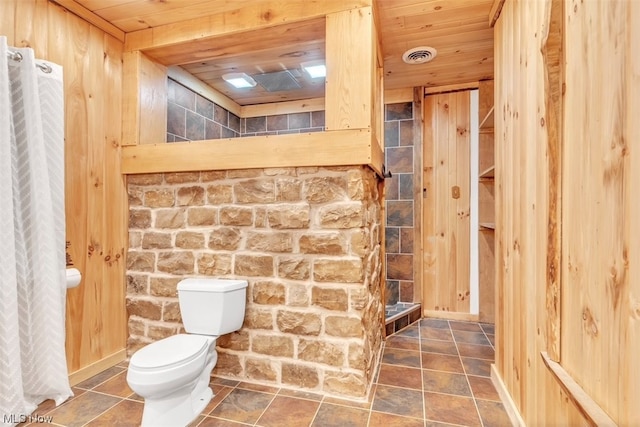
(164, 366)
(170, 352)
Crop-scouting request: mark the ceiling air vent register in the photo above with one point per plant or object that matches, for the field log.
(277, 81)
(419, 55)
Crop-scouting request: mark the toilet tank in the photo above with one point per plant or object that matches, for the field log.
(212, 306)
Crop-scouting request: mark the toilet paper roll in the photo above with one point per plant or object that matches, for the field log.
(73, 277)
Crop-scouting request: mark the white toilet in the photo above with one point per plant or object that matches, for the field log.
(172, 375)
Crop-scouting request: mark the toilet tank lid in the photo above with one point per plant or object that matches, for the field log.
(211, 285)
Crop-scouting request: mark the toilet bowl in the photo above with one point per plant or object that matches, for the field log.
(172, 375)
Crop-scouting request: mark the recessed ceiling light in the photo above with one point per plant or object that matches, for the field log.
(315, 69)
(239, 80)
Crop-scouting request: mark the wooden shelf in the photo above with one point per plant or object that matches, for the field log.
(487, 173)
(486, 203)
(487, 123)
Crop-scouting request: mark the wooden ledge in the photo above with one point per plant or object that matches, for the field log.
(332, 148)
(588, 407)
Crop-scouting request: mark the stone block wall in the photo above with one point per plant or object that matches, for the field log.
(191, 117)
(308, 242)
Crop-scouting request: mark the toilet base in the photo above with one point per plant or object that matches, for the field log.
(175, 410)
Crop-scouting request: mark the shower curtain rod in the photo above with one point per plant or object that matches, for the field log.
(17, 56)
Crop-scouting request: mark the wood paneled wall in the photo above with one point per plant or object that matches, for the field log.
(446, 214)
(567, 223)
(600, 326)
(95, 192)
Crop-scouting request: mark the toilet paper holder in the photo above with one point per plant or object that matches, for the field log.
(73, 277)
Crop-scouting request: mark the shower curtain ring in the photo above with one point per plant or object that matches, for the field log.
(45, 68)
(17, 56)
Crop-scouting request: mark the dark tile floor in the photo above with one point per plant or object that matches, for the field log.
(433, 373)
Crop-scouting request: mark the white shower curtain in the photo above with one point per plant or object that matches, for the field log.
(32, 235)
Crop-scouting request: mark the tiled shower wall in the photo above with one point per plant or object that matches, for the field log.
(399, 152)
(192, 117)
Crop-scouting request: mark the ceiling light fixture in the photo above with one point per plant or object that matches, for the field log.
(315, 69)
(239, 80)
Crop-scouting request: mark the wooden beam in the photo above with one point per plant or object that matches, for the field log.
(243, 19)
(144, 100)
(393, 96)
(293, 36)
(130, 97)
(84, 13)
(338, 148)
(198, 86)
(153, 102)
(350, 69)
(451, 88)
(287, 107)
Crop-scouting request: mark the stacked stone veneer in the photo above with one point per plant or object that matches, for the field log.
(308, 242)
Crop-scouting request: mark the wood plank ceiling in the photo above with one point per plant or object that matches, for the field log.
(458, 29)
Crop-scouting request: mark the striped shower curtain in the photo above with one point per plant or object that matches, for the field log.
(32, 235)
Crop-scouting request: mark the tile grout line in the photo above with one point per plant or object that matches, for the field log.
(103, 412)
(487, 337)
(100, 383)
(424, 400)
(317, 410)
(265, 408)
(375, 384)
(473, 395)
(466, 377)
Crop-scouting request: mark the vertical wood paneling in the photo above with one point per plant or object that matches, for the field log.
(631, 337)
(600, 314)
(95, 96)
(567, 221)
(144, 108)
(449, 281)
(520, 169)
(462, 217)
(95, 194)
(350, 46)
(429, 237)
(441, 300)
(116, 202)
(76, 175)
(7, 20)
(446, 219)
(552, 53)
(31, 17)
(153, 101)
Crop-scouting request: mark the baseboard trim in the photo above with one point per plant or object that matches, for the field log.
(505, 397)
(97, 367)
(450, 315)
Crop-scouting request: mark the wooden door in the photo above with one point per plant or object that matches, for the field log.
(446, 182)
